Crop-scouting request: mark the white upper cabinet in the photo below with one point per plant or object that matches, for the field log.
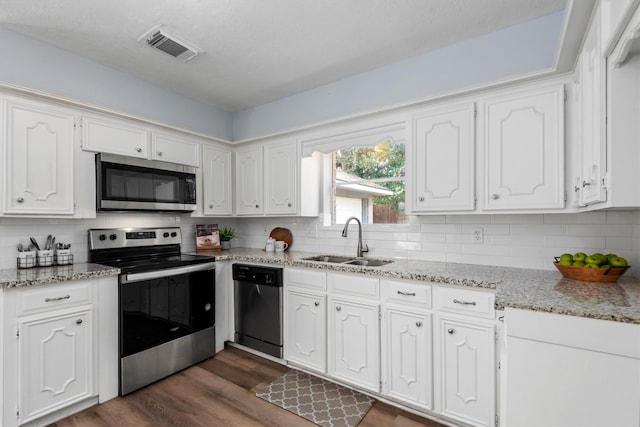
(216, 177)
(103, 134)
(249, 181)
(175, 149)
(441, 157)
(524, 149)
(106, 135)
(37, 148)
(281, 177)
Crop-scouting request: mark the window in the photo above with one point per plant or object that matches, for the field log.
(369, 183)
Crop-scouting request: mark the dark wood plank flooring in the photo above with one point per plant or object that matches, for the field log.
(217, 392)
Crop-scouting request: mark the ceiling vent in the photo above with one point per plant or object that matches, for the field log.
(171, 44)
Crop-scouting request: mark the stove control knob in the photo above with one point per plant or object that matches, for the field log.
(112, 237)
(102, 237)
(165, 235)
(174, 234)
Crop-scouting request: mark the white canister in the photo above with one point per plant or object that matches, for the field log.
(270, 246)
(45, 258)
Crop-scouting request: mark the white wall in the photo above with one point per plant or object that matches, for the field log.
(516, 50)
(525, 241)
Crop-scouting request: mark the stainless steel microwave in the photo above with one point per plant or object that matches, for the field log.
(130, 184)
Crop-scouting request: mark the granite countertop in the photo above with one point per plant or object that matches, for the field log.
(14, 278)
(538, 290)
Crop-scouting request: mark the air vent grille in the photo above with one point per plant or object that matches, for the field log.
(170, 44)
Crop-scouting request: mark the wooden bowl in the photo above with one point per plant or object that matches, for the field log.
(587, 274)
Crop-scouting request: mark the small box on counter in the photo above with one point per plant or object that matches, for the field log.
(207, 238)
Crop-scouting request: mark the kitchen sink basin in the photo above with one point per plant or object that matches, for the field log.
(334, 259)
(337, 259)
(369, 262)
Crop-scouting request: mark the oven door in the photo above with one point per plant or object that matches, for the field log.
(164, 305)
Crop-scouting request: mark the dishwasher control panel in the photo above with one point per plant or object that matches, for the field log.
(258, 275)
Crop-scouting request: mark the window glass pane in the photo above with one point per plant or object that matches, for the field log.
(369, 184)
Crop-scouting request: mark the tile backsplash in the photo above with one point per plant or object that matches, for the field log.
(526, 241)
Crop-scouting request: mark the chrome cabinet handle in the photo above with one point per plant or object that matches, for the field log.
(418, 324)
(338, 308)
(57, 298)
(495, 196)
(20, 200)
(139, 150)
(451, 331)
(257, 206)
(576, 188)
(79, 321)
(464, 302)
(316, 303)
(585, 184)
(210, 206)
(421, 198)
(289, 204)
(409, 294)
(159, 153)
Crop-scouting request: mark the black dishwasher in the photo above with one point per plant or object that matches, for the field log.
(258, 308)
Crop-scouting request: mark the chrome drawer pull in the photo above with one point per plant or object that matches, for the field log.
(79, 321)
(464, 302)
(418, 324)
(57, 299)
(409, 294)
(451, 331)
(338, 308)
(316, 303)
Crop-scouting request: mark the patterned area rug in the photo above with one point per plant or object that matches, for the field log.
(321, 402)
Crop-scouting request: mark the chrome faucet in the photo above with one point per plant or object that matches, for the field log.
(344, 234)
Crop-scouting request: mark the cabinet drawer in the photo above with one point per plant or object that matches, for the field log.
(305, 278)
(353, 285)
(44, 298)
(406, 293)
(465, 301)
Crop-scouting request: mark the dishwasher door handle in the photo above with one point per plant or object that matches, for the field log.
(258, 289)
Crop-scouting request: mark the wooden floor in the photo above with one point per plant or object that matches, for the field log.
(217, 392)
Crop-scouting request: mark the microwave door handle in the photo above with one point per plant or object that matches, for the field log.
(156, 274)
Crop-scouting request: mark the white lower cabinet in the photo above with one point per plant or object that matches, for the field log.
(306, 336)
(55, 362)
(408, 357)
(466, 352)
(353, 347)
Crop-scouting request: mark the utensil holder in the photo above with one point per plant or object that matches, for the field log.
(26, 259)
(64, 257)
(45, 258)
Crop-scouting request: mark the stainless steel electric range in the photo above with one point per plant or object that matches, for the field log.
(166, 302)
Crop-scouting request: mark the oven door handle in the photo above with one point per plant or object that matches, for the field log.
(139, 277)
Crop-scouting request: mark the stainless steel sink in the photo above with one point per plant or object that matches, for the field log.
(369, 262)
(337, 259)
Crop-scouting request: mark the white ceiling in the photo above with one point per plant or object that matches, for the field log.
(261, 50)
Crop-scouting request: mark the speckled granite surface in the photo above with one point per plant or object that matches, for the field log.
(538, 290)
(13, 278)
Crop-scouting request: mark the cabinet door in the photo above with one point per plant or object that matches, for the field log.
(105, 135)
(38, 153)
(592, 144)
(409, 365)
(174, 149)
(249, 182)
(353, 350)
(467, 386)
(444, 159)
(55, 362)
(305, 338)
(216, 177)
(524, 150)
(280, 178)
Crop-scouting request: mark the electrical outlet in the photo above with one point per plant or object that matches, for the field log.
(478, 235)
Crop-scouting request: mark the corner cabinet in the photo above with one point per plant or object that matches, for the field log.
(37, 151)
(524, 149)
(442, 150)
(216, 178)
